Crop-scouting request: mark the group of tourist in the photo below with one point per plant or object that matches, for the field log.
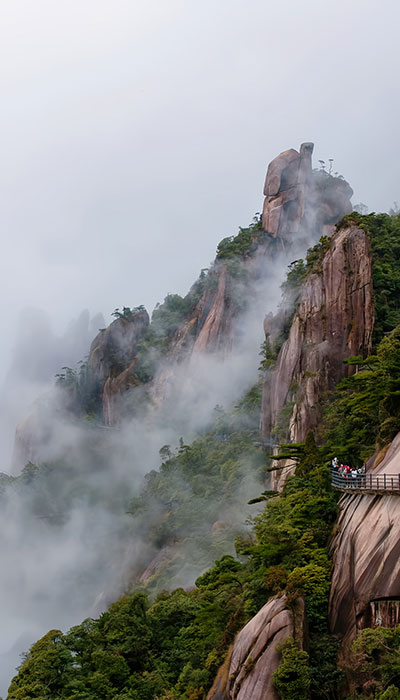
(349, 474)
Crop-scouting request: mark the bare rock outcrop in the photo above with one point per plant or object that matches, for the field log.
(112, 359)
(217, 323)
(113, 348)
(209, 327)
(298, 198)
(287, 178)
(366, 575)
(334, 320)
(253, 658)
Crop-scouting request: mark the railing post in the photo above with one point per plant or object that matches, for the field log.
(377, 483)
(392, 483)
(370, 481)
(384, 481)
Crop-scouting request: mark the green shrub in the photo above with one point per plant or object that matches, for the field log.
(244, 242)
(292, 679)
(364, 409)
(374, 662)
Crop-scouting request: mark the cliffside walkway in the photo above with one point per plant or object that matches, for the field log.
(367, 483)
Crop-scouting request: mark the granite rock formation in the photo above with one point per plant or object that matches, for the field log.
(288, 178)
(253, 658)
(334, 320)
(298, 199)
(112, 359)
(300, 205)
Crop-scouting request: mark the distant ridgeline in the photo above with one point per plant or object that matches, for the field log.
(258, 623)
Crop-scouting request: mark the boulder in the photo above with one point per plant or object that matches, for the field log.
(248, 669)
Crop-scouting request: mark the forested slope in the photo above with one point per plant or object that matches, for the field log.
(154, 643)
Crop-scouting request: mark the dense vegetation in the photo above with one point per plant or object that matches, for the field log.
(244, 243)
(375, 664)
(192, 507)
(157, 645)
(172, 648)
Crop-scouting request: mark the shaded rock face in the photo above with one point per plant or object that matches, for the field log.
(208, 330)
(217, 323)
(296, 197)
(334, 320)
(253, 658)
(366, 574)
(112, 359)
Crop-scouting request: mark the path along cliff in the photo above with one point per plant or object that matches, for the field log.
(366, 577)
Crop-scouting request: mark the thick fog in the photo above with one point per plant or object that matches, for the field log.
(67, 540)
(135, 136)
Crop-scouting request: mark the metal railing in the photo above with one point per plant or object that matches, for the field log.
(374, 483)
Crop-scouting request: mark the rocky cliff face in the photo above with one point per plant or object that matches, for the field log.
(300, 205)
(112, 359)
(298, 199)
(334, 320)
(248, 669)
(366, 573)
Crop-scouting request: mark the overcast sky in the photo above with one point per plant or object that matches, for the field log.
(136, 134)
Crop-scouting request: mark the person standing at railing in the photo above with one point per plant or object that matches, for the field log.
(361, 475)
